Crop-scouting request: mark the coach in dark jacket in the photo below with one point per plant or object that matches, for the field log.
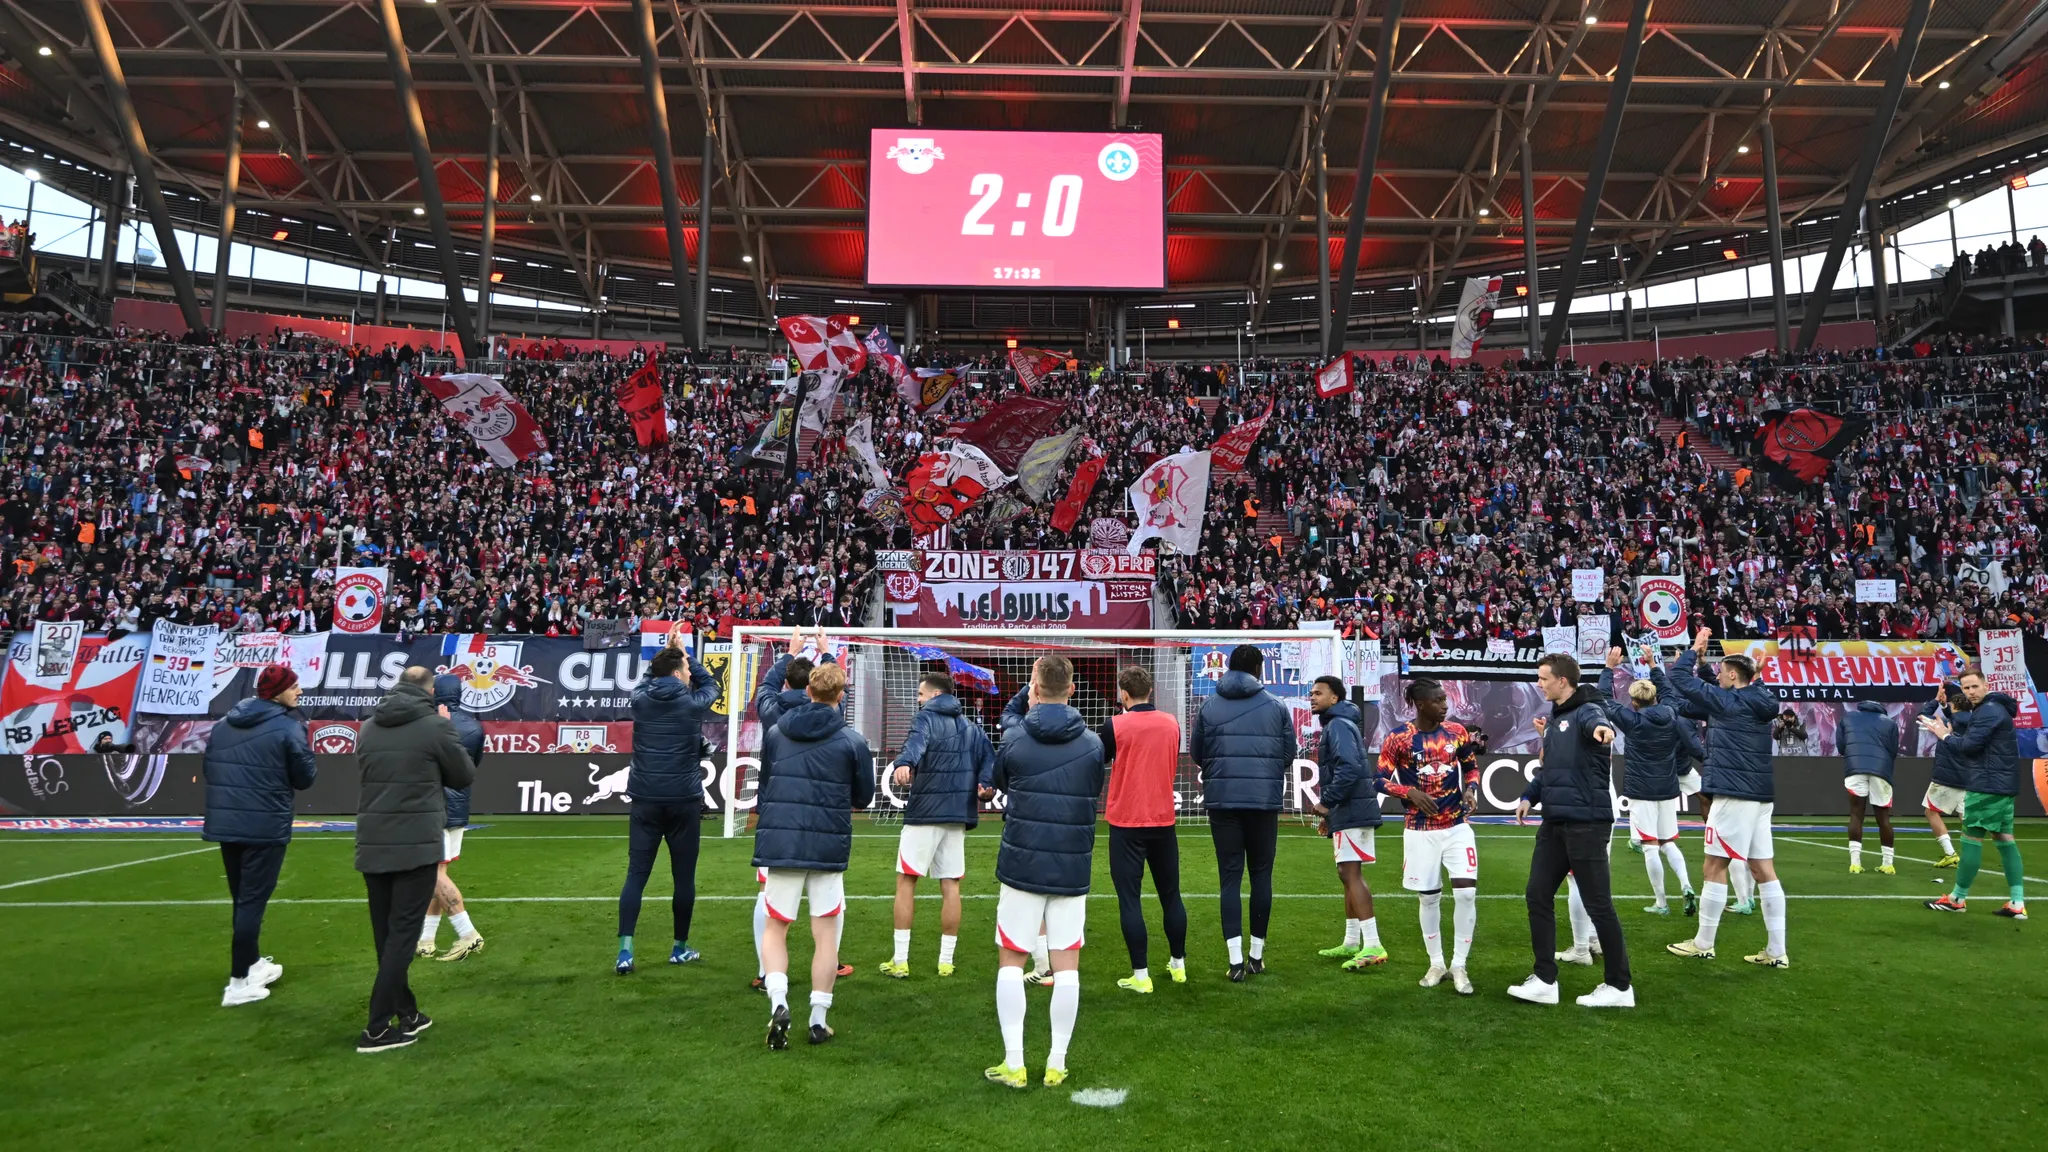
(1739, 719)
(1578, 822)
(409, 755)
(666, 788)
(1050, 769)
(1243, 741)
(255, 759)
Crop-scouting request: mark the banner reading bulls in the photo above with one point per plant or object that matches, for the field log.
(48, 708)
(1019, 589)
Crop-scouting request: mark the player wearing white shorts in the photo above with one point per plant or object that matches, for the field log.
(1432, 766)
(1868, 742)
(1740, 712)
(1657, 743)
(1348, 800)
(944, 761)
(814, 772)
(781, 689)
(1050, 767)
(1944, 796)
(447, 897)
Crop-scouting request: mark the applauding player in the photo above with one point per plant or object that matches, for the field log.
(1432, 766)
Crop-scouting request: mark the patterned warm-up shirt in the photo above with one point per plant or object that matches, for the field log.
(1440, 762)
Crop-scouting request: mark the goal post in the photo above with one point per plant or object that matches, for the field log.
(989, 666)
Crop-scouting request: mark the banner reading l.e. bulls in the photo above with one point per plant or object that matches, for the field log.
(1083, 589)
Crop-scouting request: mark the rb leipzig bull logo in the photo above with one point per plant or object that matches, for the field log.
(581, 739)
(490, 674)
(491, 419)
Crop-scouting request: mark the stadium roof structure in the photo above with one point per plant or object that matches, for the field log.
(781, 95)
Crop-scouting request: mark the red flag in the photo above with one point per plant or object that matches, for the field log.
(642, 398)
(1013, 426)
(1335, 378)
(823, 342)
(1032, 364)
(1229, 452)
(933, 495)
(1068, 512)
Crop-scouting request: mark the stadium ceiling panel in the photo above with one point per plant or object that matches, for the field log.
(1241, 89)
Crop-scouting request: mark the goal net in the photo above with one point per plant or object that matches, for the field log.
(989, 668)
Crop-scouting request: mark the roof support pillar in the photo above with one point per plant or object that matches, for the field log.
(1774, 226)
(429, 177)
(1368, 154)
(230, 176)
(665, 167)
(1535, 297)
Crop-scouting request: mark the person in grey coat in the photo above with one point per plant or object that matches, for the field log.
(408, 753)
(255, 759)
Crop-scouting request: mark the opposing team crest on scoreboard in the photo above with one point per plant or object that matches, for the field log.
(916, 154)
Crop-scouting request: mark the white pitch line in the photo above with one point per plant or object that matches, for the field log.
(748, 899)
(1908, 859)
(104, 868)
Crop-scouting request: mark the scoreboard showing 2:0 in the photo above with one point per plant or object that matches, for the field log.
(1065, 210)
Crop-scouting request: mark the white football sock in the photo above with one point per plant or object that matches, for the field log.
(902, 947)
(1739, 879)
(1176, 963)
(1258, 949)
(760, 926)
(429, 929)
(1141, 973)
(1855, 853)
(1948, 846)
(1885, 854)
(1369, 932)
(821, 1003)
(1432, 927)
(460, 922)
(1773, 894)
(1040, 956)
(1010, 1013)
(777, 985)
(1713, 900)
(1653, 863)
(946, 944)
(1235, 946)
(1066, 1004)
(1464, 918)
(1676, 859)
(1582, 924)
(1351, 932)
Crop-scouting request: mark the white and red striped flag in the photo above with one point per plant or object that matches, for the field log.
(821, 342)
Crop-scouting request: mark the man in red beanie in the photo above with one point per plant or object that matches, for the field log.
(255, 760)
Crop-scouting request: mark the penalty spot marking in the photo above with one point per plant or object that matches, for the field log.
(1101, 1097)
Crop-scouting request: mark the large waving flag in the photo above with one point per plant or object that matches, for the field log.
(821, 342)
(946, 483)
(641, 396)
(1013, 426)
(1800, 445)
(1475, 312)
(1171, 498)
(884, 353)
(1231, 449)
(1335, 378)
(1032, 365)
(502, 427)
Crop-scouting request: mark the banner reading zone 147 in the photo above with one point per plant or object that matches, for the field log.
(1084, 589)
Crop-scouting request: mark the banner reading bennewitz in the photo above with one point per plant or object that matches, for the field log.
(177, 675)
(1085, 589)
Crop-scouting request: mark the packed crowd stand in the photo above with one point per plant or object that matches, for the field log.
(143, 477)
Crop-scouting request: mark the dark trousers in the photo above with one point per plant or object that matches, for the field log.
(252, 876)
(680, 825)
(398, 906)
(1130, 849)
(1581, 850)
(1245, 836)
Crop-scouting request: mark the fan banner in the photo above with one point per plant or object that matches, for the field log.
(860, 437)
(1660, 605)
(1799, 445)
(68, 710)
(56, 648)
(1475, 312)
(1588, 584)
(641, 396)
(2003, 653)
(818, 400)
(1033, 364)
(821, 342)
(359, 598)
(499, 424)
(1335, 378)
(1560, 641)
(1170, 498)
(945, 484)
(1068, 512)
(1077, 589)
(177, 676)
(884, 354)
(1013, 426)
(1231, 449)
(1040, 466)
(927, 389)
(1594, 633)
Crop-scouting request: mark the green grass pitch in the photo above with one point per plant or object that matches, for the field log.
(1895, 1028)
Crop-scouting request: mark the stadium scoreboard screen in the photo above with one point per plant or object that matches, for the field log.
(1030, 210)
